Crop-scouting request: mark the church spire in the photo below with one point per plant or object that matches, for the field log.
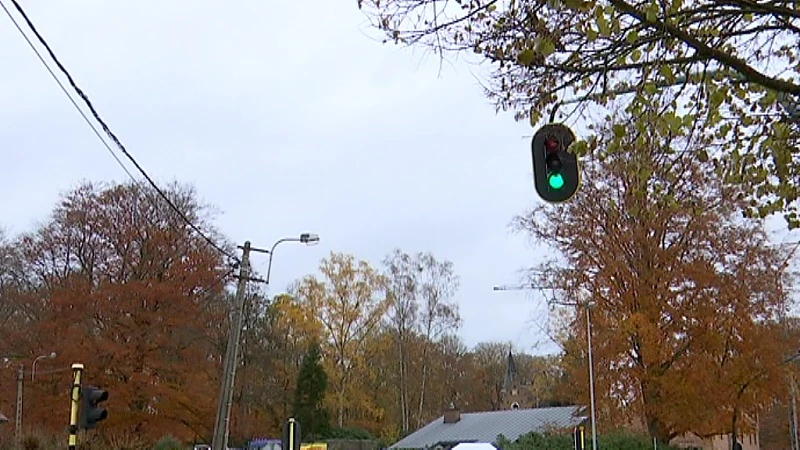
(511, 372)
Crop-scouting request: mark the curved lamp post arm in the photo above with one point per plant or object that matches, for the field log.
(33, 366)
(305, 238)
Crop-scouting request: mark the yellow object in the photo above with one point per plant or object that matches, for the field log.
(315, 446)
(75, 397)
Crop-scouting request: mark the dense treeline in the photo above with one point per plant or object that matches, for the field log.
(689, 305)
(115, 280)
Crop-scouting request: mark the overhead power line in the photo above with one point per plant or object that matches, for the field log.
(97, 117)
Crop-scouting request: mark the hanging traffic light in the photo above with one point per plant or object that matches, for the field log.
(556, 173)
(91, 413)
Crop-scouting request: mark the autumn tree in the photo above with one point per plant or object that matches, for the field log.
(734, 64)
(349, 302)
(490, 367)
(12, 285)
(545, 383)
(451, 374)
(277, 333)
(421, 290)
(118, 281)
(258, 405)
(686, 293)
(309, 394)
(403, 318)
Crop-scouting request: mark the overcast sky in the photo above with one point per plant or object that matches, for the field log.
(288, 117)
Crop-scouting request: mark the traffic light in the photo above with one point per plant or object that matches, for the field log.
(556, 174)
(291, 435)
(91, 413)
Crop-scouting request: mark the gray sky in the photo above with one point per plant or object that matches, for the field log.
(288, 118)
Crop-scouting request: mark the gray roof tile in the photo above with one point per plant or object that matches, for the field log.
(486, 426)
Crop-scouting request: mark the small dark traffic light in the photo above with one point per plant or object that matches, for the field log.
(556, 174)
(291, 435)
(91, 413)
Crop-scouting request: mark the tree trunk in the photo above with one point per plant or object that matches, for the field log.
(420, 419)
(404, 409)
(340, 419)
(655, 426)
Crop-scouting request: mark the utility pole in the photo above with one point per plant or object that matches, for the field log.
(18, 421)
(222, 424)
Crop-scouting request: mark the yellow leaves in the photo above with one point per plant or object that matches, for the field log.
(603, 26)
(666, 71)
(651, 12)
(297, 319)
(580, 5)
(526, 57)
(546, 46)
(602, 21)
(579, 147)
(349, 303)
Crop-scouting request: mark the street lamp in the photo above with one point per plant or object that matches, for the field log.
(222, 424)
(52, 355)
(588, 305)
(305, 238)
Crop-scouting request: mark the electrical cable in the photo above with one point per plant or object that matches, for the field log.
(97, 117)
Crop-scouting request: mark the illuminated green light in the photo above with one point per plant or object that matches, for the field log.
(555, 180)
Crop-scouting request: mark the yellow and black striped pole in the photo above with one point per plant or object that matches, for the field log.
(291, 435)
(74, 401)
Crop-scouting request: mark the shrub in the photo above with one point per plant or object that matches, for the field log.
(560, 441)
(348, 433)
(168, 443)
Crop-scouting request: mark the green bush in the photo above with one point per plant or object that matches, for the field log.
(348, 433)
(168, 443)
(560, 441)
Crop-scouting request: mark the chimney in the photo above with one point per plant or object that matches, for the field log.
(451, 414)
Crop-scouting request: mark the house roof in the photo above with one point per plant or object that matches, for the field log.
(486, 426)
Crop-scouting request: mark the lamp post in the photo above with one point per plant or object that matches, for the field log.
(588, 305)
(52, 355)
(222, 423)
(20, 379)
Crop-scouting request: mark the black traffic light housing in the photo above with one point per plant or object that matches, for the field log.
(556, 173)
(91, 413)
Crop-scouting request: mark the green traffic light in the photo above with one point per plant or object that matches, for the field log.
(555, 180)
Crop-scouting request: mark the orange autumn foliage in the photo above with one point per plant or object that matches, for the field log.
(688, 295)
(124, 287)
